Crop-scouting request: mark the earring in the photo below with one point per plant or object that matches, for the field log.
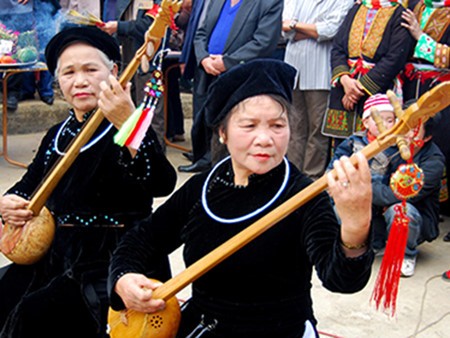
(221, 140)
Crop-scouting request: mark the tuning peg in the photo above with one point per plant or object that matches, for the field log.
(403, 148)
(378, 120)
(402, 145)
(395, 103)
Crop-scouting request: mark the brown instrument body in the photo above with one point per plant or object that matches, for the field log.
(161, 324)
(28, 244)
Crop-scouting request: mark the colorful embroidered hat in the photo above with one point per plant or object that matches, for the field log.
(379, 101)
(256, 77)
(90, 35)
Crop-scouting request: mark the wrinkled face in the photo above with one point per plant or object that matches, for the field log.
(81, 68)
(388, 121)
(257, 136)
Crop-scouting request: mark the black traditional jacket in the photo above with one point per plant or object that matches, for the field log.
(375, 59)
(264, 288)
(103, 194)
(421, 73)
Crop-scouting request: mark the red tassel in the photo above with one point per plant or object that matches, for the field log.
(153, 11)
(386, 285)
(173, 25)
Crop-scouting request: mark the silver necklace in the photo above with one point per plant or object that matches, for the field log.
(86, 146)
(253, 213)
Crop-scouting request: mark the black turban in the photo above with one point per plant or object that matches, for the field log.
(256, 77)
(88, 34)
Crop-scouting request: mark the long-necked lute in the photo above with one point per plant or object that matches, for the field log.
(27, 244)
(164, 324)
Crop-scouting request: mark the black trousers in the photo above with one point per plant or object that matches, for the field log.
(63, 307)
(196, 324)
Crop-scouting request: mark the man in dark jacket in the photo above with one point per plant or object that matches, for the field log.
(232, 32)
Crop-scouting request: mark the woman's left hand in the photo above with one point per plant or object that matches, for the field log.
(351, 189)
(13, 210)
(411, 24)
(115, 101)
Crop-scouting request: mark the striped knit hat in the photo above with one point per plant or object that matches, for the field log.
(379, 101)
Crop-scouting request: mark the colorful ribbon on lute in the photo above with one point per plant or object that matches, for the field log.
(135, 127)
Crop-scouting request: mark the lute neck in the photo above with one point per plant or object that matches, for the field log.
(153, 36)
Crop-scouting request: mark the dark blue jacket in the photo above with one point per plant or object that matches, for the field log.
(431, 160)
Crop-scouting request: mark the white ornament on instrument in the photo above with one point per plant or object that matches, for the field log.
(145, 64)
(150, 49)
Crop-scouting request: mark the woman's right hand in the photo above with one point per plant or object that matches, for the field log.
(13, 210)
(209, 67)
(136, 292)
(352, 87)
(353, 91)
(109, 27)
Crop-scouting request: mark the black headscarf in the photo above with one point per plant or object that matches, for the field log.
(90, 35)
(256, 77)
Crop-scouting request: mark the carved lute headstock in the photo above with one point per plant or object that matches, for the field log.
(152, 40)
(427, 106)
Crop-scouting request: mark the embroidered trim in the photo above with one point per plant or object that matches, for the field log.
(436, 3)
(442, 56)
(437, 23)
(359, 45)
(369, 85)
(338, 123)
(425, 48)
(443, 192)
(339, 71)
(356, 35)
(375, 34)
(376, 4)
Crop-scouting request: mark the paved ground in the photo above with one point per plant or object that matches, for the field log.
(423, 304)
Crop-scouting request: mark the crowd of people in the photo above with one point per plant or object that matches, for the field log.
(344, 54)
(282, 96)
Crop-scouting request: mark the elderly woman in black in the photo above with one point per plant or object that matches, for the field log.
(263, 290)
(106, 190)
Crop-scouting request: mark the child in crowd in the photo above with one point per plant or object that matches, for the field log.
(382, 165)
(423, 209)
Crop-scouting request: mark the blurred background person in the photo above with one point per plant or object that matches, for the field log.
(45, 15)
(310, 28)
(369, 51)
(428, 23)
(16, 15)
(232, 32)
